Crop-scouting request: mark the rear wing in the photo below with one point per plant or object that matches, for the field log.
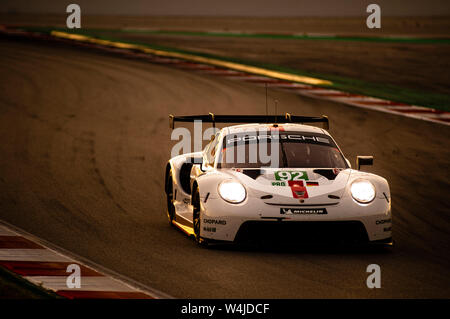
(286, 118)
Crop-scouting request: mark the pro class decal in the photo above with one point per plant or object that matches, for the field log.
(278, 183)
(291, 175)
(303, 211)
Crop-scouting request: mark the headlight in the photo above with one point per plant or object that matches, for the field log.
(362, 191)
(232, 192)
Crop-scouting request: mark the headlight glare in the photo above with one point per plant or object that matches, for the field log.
(362, 191)
(232, 191)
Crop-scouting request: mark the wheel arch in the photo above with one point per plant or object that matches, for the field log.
(181, 167)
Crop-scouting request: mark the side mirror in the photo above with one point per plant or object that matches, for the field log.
(363, 160)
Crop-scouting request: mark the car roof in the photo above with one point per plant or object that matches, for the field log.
(280, 126)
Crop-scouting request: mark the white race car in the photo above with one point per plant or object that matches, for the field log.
(229, 193)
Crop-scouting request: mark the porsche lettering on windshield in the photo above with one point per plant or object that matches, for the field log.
(291, 137)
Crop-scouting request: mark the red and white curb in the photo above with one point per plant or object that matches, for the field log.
(357, 100)
(31, 258)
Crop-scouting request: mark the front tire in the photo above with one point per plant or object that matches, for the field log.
(196, 220)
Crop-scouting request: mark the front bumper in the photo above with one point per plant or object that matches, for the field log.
(344, 222)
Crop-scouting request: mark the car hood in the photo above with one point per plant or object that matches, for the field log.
(293, 186)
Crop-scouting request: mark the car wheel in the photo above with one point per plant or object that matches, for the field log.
(169, 195)
(196, 218)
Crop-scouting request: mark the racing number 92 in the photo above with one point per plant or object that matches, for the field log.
(291, 176)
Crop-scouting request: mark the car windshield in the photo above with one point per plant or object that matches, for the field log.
(280, 149)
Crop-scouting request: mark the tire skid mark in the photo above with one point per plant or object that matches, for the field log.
(86, 144)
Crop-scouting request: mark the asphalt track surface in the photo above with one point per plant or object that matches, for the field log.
(84, 139)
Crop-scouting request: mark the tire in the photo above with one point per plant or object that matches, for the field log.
(169, 195)
(196, 220)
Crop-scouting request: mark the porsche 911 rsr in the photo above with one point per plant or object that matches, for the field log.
(229, 192)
